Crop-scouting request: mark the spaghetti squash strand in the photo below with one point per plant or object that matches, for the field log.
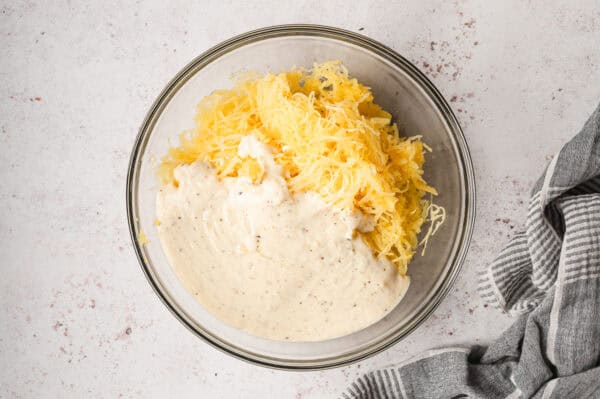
(329, 137)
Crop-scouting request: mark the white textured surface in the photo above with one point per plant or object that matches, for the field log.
(78, 319)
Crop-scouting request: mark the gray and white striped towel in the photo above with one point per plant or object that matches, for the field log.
(549, 275)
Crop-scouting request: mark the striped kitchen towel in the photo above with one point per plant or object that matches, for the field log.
(548, 275)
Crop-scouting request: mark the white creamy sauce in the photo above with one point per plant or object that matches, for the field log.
(276, 266)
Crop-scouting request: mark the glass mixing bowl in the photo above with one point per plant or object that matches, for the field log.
(398, 86)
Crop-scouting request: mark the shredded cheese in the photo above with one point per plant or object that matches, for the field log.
(436, 216)
(329, 137)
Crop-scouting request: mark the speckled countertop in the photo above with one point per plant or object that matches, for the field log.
(77, 317)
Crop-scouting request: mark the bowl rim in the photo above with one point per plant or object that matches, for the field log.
(465, 162)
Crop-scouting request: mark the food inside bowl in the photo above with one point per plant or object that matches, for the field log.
(293, 207)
